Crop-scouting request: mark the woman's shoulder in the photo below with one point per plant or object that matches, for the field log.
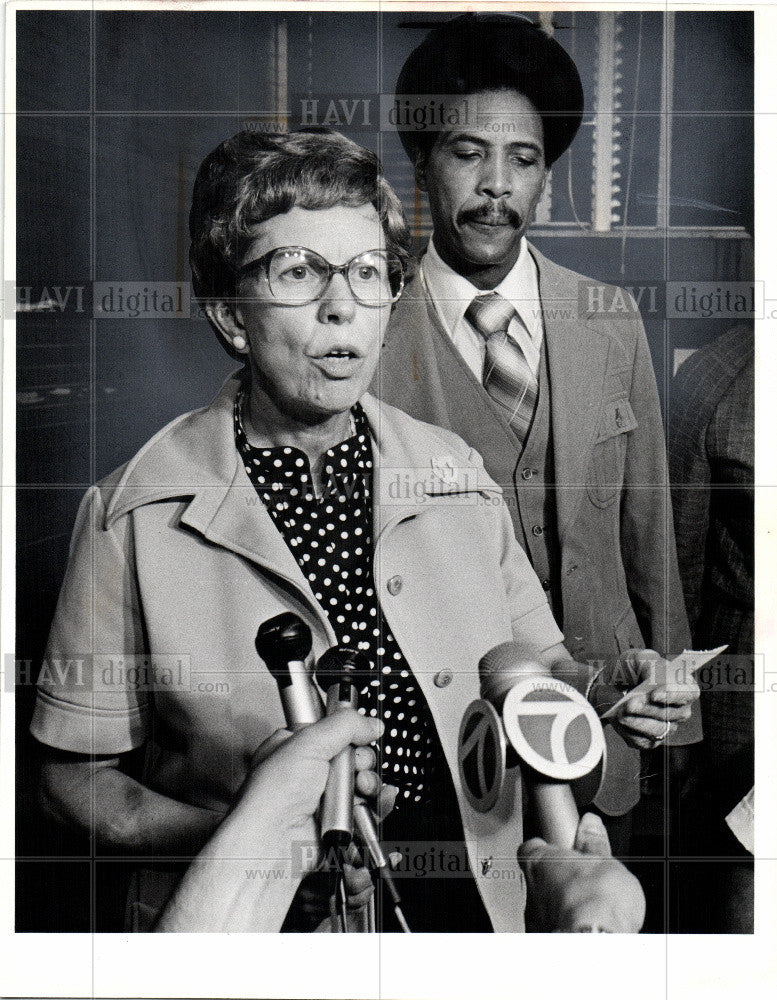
(392, 425)
(194, 450)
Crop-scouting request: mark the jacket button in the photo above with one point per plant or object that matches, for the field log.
(527, 474)
(546, 584)
(537, 530)
(394, 585)
(443, 679)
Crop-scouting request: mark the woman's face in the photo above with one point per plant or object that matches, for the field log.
(313, 361)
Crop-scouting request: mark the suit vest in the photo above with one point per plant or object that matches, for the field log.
(526, 474)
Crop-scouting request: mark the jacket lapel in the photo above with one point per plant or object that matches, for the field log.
(409, 374)
(239, 521)
(195, 459)
(409, 478)
(577, 361)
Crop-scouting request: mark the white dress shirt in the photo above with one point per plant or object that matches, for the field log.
(451, 295)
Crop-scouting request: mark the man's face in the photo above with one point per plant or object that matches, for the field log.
(484, 179)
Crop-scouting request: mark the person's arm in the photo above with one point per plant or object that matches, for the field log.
(580, 890)
(647, 531)
(643, 720)
(85, 722)
(93, 796)
(690, 475)
(246, 876)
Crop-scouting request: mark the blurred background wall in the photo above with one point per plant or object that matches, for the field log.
(115, 111)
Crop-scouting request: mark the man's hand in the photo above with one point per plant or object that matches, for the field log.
(647, 718)
(583, 889)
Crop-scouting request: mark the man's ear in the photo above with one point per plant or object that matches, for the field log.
(227, 322)
(419, 170)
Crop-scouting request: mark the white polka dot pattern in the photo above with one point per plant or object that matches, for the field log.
(331, 539)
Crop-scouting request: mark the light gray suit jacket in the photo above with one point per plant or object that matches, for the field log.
(619, 582)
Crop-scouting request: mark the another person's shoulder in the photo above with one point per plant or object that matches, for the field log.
(723, 357)
(609, 309)
(705, 378)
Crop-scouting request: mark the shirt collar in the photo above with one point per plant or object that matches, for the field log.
(350, 456)
(452, 293)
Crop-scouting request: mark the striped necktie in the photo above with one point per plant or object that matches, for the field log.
(507, 377)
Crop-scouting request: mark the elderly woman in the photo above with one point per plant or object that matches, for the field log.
(294, 490)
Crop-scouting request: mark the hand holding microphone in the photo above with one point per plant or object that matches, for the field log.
(549, 725)
(583, 890)
(284, 643)
(573, 882)
(274, 809)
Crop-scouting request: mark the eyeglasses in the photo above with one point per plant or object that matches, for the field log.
(297, 276)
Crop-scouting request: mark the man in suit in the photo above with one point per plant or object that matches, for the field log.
(516, 354)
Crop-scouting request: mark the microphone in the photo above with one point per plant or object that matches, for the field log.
(284, 643)
(551, 727)
(335, 675)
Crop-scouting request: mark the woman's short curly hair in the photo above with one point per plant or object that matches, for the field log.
(253, 177)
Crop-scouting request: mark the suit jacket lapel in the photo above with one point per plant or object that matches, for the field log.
(577, 361)
(409, 375)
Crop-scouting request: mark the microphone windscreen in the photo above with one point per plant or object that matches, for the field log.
(339, 661)
(503, 666)
(283, 640)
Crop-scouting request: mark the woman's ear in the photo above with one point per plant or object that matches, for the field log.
(226, 321)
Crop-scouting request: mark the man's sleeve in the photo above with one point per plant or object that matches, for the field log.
(647, 530)
(89, 699)
(690, 476)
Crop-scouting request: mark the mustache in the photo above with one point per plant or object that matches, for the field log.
(490, 215)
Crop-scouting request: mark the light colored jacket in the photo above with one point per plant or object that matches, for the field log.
(176, 562)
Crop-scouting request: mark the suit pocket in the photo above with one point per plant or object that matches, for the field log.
(605, 470)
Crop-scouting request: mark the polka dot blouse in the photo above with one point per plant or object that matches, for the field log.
(331, 539)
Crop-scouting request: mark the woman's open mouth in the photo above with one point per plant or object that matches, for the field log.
(340, 362)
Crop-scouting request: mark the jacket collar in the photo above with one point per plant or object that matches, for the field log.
(194, 459)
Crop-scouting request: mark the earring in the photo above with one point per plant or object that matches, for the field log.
(238, 342)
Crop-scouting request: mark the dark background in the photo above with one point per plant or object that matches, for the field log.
(115, 111)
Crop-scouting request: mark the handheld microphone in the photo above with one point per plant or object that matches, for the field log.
(335, 676)
(284, 643)
(551, 727)
(336, 673)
